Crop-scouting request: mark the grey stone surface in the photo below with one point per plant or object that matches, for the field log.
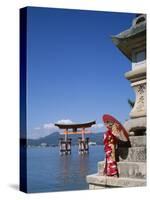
(135, 124)
(138, 141)
(107, 181)
(95, 187)
(127, 169)
(134, 154)
(136, 73)
(130, 39)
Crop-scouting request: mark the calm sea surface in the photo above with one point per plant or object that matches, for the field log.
(48, 171)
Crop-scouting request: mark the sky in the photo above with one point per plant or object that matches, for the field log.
(75, 72)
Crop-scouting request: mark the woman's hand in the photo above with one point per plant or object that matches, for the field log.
(115, 129)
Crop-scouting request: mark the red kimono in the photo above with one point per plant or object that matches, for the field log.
(110, 141)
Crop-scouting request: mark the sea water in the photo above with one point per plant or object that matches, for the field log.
(47, 171)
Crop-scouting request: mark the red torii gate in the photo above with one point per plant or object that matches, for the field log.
(79, 128)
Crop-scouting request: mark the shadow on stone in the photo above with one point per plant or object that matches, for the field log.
(122, 150)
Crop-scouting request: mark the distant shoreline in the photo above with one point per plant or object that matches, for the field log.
(47, 146)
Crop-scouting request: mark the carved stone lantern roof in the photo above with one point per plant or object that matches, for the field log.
(133, 38)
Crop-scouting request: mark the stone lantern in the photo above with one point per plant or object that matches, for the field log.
(131, 159)
(132, 43)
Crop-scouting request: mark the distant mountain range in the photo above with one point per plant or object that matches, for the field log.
(53, 139)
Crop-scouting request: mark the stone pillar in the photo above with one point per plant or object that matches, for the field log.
(137, 122)
(139, 109)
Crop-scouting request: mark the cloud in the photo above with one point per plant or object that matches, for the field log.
(97, 127)
(48, 128)
(65, 121)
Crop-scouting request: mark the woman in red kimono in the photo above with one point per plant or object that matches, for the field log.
(115, 131)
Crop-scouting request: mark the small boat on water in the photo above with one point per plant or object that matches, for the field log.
(92, 143)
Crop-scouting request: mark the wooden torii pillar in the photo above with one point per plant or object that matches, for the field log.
(83, 143)
(65, 144)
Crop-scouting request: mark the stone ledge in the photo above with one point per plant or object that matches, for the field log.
(138, 74)
(95, 187)
(135, 124)
(105, 181)
(127, 169)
